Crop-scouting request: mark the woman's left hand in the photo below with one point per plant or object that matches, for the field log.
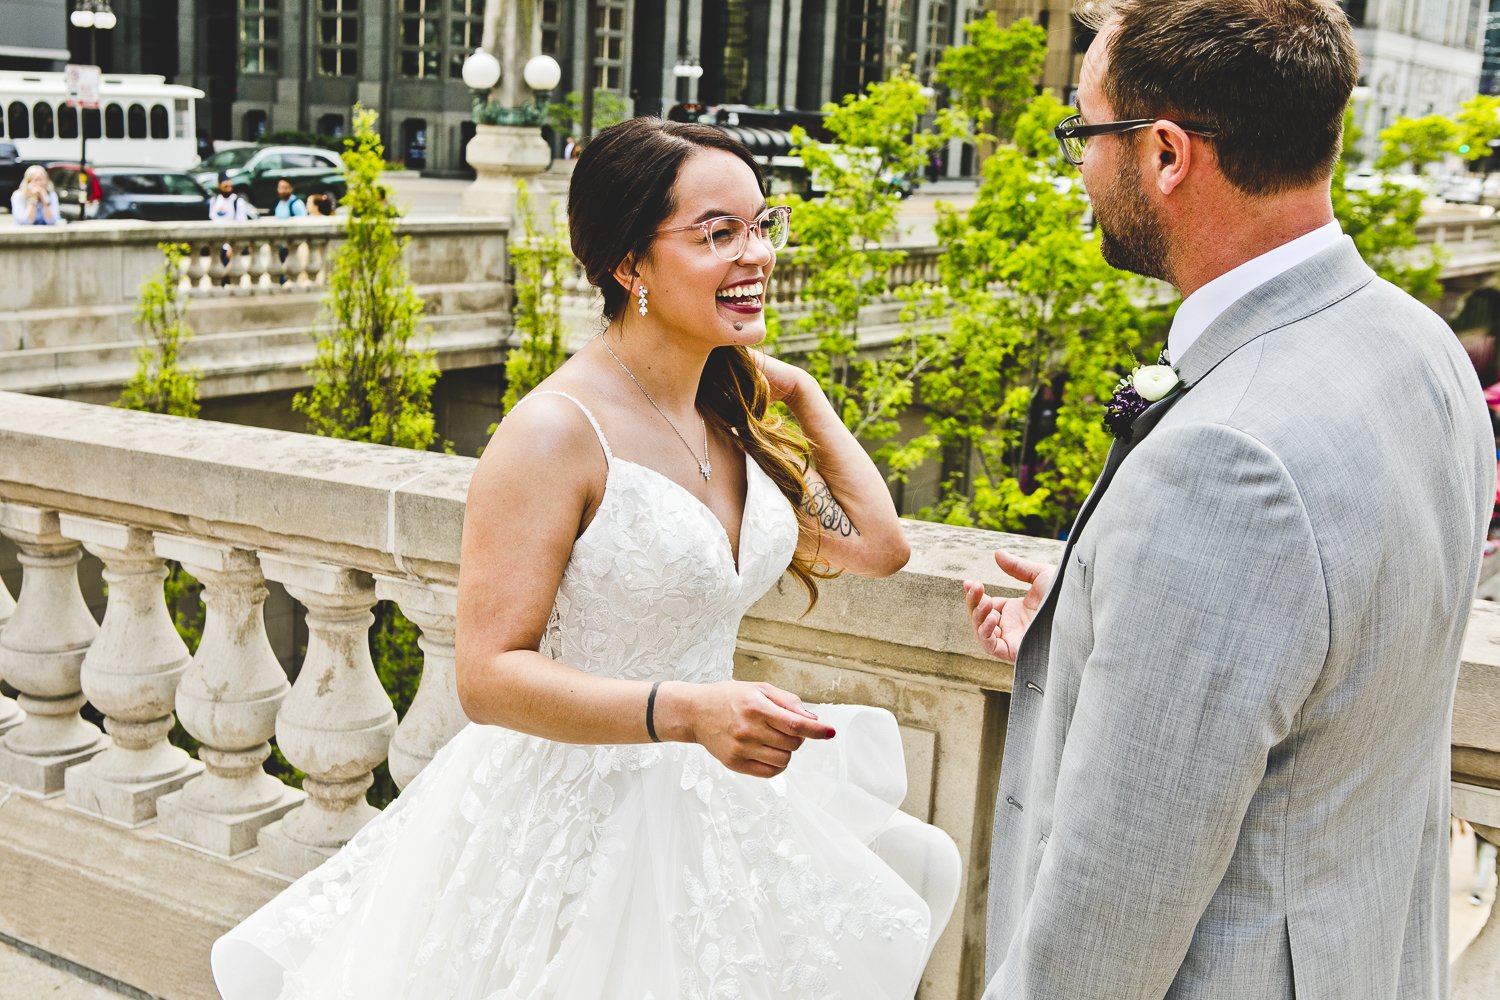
(786, 380)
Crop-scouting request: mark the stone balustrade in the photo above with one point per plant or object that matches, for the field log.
(164, 851)
(253, 292)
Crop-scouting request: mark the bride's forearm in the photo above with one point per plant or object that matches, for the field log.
(535, 694)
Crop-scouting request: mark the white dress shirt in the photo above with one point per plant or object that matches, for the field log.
(1209, 302)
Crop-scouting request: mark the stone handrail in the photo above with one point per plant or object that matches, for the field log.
(252, 309)
(167, 850)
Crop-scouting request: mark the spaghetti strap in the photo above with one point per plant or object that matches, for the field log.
(603, 442)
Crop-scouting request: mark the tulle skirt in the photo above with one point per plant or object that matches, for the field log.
(516, 868)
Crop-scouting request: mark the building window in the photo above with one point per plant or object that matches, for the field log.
(338, 37)
(610, 59)
(1356, 11)
(260, 36)
(860, 47)
(421, 38)
(939, 35)
(253, 125)
(41, 120)
(465, 31)
(20, 121)
(552, 28)
(114, 121)
(331, 126)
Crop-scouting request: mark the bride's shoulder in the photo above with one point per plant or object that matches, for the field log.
(545, 427)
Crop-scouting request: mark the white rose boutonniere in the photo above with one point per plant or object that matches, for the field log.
(1155, 382)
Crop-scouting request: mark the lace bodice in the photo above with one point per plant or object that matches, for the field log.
(652, 590)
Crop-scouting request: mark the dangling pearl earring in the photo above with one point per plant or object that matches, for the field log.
(642, 296)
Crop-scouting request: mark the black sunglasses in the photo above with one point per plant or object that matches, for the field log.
(1072, 133)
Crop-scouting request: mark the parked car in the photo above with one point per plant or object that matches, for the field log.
(254, 171)
(12, 167)
(154, 194)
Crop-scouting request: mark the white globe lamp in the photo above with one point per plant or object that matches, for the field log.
(82, 18)
(481, 71)
(541, 72)
(104, 19)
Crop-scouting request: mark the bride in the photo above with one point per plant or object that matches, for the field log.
(622, 819)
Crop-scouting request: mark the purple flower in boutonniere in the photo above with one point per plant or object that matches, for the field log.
(1135, 393)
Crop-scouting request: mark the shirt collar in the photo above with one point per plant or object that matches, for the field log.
(1209, 302)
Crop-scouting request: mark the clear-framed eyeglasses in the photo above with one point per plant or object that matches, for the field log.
(727, 234)
(1072, 133)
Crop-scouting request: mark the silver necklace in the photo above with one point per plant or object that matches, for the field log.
(705, 467)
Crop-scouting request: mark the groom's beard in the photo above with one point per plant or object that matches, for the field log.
(1130, 233)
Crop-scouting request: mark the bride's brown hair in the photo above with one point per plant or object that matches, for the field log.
(621, 193)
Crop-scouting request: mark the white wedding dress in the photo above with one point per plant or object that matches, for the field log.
(518, 868)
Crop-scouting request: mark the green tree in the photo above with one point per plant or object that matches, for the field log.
(842, 244)
(1025, 305)
(994, 74)
(541, 262)
(1382, 221)
(370, 380)
(160, 384)
(1478, 126)
(566, 116)
(1416, 142)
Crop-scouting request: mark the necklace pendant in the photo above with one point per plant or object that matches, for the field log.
(706, 468)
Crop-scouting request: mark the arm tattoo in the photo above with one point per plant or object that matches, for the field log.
(821, 506)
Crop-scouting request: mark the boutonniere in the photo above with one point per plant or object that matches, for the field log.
(1145, 385)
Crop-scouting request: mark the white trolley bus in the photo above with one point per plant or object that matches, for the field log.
(141, 120)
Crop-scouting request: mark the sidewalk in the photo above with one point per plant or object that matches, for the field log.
(27, 978)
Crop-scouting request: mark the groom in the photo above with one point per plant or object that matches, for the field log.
(1225, 775)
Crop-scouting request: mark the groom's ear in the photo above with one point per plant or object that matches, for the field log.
(1172, 155)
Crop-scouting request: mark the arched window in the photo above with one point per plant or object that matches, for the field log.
(253, 125)
(67, 122)
(161, 127)
(41, 120)
(91, 123)
(20, 121)
(114, 121)
(136, 119)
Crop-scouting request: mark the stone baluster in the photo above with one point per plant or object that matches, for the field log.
(316, 251)
(435, 715)
(199, 261)
(1476, 971)
(218, 271)
(228, 700)
(336, 724)
(41, 656)
(130, 673)
(239, 264)
(10, 713)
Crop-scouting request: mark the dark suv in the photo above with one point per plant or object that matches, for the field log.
(12, 167)
(154, 194)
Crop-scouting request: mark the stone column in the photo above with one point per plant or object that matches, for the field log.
(130, 673)
(227, 700)
(41, 655)
(1476, 971)
(336, 724)
(435, 715)
(10, 713)
(501, 155)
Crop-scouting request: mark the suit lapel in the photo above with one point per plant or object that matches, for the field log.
(1310, 287)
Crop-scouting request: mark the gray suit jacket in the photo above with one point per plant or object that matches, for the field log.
(1225, 775)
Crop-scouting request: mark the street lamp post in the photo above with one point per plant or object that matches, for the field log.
(507, 144)
(92, 16)
(686, 70)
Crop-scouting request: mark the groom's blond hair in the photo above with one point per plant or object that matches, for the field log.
(1274, 76)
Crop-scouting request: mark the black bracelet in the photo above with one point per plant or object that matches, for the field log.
(651, 713)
